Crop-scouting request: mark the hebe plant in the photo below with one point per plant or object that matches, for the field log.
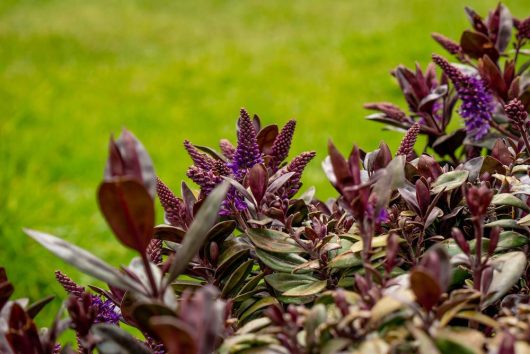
(423, 251)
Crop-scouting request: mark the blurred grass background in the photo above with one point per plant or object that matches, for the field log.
(72, 72)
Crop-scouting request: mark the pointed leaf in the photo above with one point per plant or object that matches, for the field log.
(273, 241)
(198, 231)
(84, 261)
(129, 211)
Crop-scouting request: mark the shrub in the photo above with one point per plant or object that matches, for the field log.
(423, 251)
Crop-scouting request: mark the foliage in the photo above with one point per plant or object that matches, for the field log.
(419, 252)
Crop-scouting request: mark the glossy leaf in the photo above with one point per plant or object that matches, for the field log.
(129, 211)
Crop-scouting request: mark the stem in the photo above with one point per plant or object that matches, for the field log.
(524, 134)
(477, 266)
(150, 275)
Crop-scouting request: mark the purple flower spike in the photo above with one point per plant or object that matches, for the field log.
(227, 148)
(174, 209)
(282, 144)
(68, 284)
(206, 179)
(297, 165)
(200, 159)
(477, 104)
(247, 153)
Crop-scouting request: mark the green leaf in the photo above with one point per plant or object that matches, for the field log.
(258, 305)
(115, 340)
(237, 278)
(505, 223)
(345, 260)
(280, 262)
(525, 221)
(511, 239)
(198, 231)
(449, 181)
(85, 261)
(307, 289)
(508, 269)
(273, 241)
(284, 281)
(509, 199)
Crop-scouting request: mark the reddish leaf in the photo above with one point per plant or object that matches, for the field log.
(425, 288)
(129, 211)
(257, 180)
(266, 137)
(476, 45)
(492, 75)
(176, 335)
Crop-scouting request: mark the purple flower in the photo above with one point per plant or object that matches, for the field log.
(175, 211)
(477, 103)
(106, 311)
(206, 179)
(282, 144)
(200, 159)
(247, 153)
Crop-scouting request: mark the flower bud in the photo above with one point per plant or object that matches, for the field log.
(460, 240)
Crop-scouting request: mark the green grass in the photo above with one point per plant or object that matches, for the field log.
(72, 72)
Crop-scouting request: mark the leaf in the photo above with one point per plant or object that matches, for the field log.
(198, 231)
(280, 262)
(505, 223)
(241, 189)
(316, 317)
(169, 233)
(449, 181)
(476, 45)
(129, 158)
(426, 289)
(273, 241)
(508, 269)
(377, 241)
(84, 261)
(283, 281)
(478, 317)
(114, 340)
(257, 179)
(266, 137)
(511, 239)
(307, 289)
(448, 143)
(524, 221)
(129, 211)
(258, 305)
(509, 199)
(279, 182)
(345, 260)
(35, 308)
(176, 335)
(237, 278)
(504, 34)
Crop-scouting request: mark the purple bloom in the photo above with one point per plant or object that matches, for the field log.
(247, 153)
(206, 179)
(382, 217)
(175, 211)
(477, 103)
(200, 159)
(282, 144)
(106, 311)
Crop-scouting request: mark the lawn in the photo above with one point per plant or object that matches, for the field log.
(73, 72)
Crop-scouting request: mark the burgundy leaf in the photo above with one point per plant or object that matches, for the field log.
(129, 211)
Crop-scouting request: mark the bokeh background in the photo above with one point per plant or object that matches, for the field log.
(73, 72)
